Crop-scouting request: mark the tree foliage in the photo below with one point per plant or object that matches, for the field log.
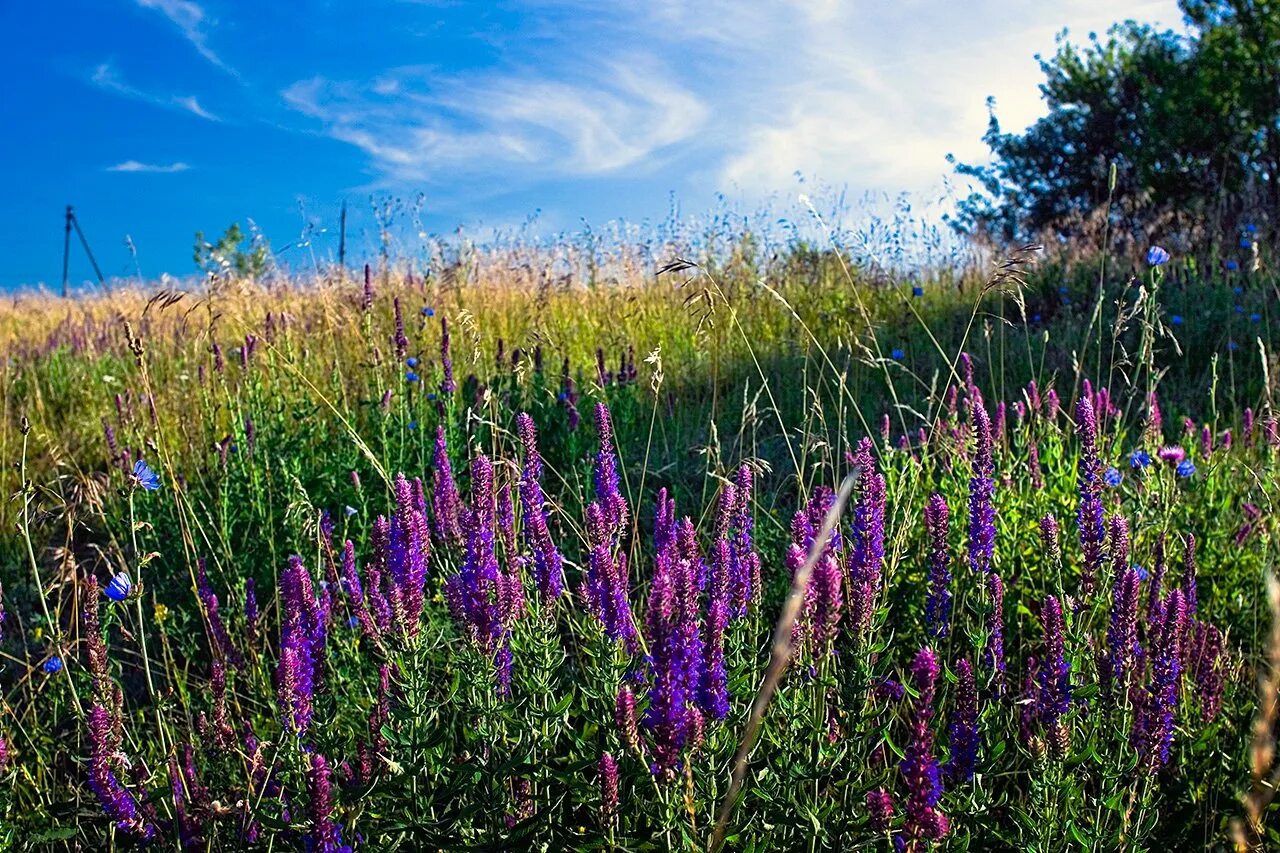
(1190, 122)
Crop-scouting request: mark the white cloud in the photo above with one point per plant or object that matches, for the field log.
(107, 78)
(733, 96)
(192, 21)
(414, 125)
(157, 168)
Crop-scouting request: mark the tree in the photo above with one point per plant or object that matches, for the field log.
(1191, 125)
(226, 257)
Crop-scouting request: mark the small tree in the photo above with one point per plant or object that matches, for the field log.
(226, 258)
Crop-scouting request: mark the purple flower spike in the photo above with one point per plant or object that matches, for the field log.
(1053, 697)
(920, 771)
(938, 605)
(1089, 517)
(445, 502)
(964, 726)
(548, 569)
(982, 513)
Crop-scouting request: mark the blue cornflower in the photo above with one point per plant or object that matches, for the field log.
(1246, 243)
(1231, 266)
(1250, 227)
(1237, 290)
(117, 589)
(145, 477)
(431, 396)
(1176, 319)
(917, 291)
(428, 311)
(1112, 477)
(352, 622)
(52, 665)
(1139, 459)
(1035, 318)
(1143, 574)
(897, 355)
(411, 377)
(1063, 290)
(350, 511)
(1239, 309)
(411, 361)
(562, 396)
(1157, 256)
(1255, 317)
(413, 424)
(1186, 468)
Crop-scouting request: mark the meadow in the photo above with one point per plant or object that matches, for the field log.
(675, 548)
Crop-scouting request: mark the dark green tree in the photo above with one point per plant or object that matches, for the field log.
(1190, 123)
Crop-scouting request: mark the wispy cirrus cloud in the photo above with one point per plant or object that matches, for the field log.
(108, 78)
(193, 22)
(155, 168)
(415, 123)
(731, 97)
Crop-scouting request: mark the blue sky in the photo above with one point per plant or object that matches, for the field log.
(156, 118)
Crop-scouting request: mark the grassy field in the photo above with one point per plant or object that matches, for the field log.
(496, 558)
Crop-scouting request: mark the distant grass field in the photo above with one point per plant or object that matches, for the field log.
(232, 698)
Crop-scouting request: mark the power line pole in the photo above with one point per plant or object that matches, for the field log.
(342, 236)
(66, 254)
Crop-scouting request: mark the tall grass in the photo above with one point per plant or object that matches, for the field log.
(279, 414)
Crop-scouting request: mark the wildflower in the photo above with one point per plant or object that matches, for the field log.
(117, 801)
(1176, 319)
(897, 354)
(1112, 477)
(349, 511)
(326, 835)
(1255, 317)
(445, 502)
(1231, 266)
(1089, 515)
(624, 717)
(411, 377)
(118, 587)
(993, 652)
(411, 362)
(880, 807)
(1156, 256)
(917, 291)
(938, 605)
(1186, 468)
(1246, 243)
(428, 311)
(1053, 697)
(964, 726)
(547, 560)
(920, 768)
(1250, 227)
(608, 772)
(1157, 705)
(1122, 632)
(1171, 454)
(982, 513)
(52, 665)
(866, 562)
(143, 476)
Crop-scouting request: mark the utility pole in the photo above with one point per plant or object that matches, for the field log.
(342, 236)
(66, 252)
